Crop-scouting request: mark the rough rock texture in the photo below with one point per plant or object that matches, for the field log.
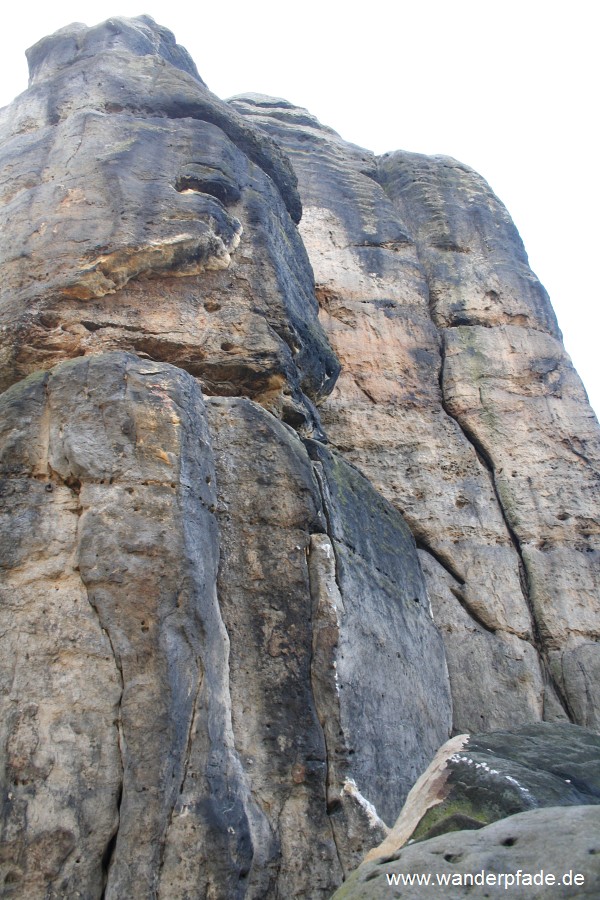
(120, 171)
(509, 384)
(169, 671)
(458, 401)
(220, 672)
(475, 780)
(539, 843)
(382, 637)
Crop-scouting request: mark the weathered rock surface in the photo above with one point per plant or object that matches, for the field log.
(220, 673)
(511, 387)
(373, 552)
(459, 403)
(140, 212)
(554, 841)
(187, 709)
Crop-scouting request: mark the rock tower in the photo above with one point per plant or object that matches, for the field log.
(296, 479)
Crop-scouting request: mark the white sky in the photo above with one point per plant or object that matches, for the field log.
(507, 87)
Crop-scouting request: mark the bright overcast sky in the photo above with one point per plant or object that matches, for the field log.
(510, 88)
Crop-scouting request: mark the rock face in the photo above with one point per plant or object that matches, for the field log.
(239, 600)
(110, 187)
(457, 400)
(182, 701)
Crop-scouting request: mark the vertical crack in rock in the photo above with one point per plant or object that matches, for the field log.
(185, 765)
(316, 550)
(75, 487)
(371, 623)
(108, 855)
(487, 462)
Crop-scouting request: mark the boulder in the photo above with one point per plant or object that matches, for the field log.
(477, 779)
(542, 853)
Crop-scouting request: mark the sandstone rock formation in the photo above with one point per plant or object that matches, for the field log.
(515, 855)
(120, 169)
(457, 400)
(226, 656)
(170, 712)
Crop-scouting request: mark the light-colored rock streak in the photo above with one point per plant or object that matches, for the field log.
(327, 607)
(181, 255)
(352, 790)
(428, 791)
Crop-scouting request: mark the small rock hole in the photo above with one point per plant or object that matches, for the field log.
(391, 857)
